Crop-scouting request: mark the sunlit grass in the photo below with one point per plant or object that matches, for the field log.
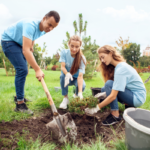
(34, 91)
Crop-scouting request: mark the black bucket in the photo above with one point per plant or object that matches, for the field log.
(95, 91)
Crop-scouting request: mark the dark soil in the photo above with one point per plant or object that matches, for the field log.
(88, 127)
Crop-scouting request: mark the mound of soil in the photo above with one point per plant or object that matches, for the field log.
(88, 127)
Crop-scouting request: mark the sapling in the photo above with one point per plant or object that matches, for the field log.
(78, 106)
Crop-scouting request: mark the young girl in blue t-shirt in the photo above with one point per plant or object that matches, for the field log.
(122, 83)
(72, 69)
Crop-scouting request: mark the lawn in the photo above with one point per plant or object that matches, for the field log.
(35, 92)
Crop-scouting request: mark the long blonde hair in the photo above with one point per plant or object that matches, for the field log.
(108, 71)
(78, 56)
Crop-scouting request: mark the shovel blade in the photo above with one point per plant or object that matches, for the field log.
(69, 127)
(60, 125)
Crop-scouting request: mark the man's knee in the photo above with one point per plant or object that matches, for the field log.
(22, 71)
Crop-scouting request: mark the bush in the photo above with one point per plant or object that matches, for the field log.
(58, 69)
(49, 67)
(78, 106)
(54, 67)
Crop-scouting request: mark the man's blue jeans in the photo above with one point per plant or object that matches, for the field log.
(13, 52)
(125, 97)
(74, 82)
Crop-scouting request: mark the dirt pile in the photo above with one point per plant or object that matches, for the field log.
(87, 128)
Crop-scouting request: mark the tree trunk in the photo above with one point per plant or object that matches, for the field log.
(5, 67)
(94, 66)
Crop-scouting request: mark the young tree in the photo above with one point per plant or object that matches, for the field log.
(88, 48)
(80, 29)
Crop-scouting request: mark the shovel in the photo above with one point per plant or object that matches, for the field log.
(62, 127)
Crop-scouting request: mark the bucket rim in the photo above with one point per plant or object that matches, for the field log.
(133, 123)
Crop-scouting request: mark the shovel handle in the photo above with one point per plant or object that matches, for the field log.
(47, 92)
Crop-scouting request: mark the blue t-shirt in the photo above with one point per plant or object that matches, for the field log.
(65, 56)
(126, 76)
(25, 27)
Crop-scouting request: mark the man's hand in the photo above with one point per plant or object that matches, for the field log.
(80, 95)
(101, 95)
(67, 78)
(92, 111)
(39, 74)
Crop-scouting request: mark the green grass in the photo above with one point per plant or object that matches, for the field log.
(146, 105)
(26, 145)
(35, 92)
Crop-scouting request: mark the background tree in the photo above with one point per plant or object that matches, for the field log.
(54, 60)
(37, 53)
(122, 44)
(90, 52)
(132, 53)
(5, 63)
(43, 53)
(40, 54)
(144, 61)
(48, 60)
(1, 60)
(65, 42)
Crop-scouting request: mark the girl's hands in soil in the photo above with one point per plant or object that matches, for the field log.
(92, 111)
(39, 74)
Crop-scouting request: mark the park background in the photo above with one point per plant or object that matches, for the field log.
(122, 24)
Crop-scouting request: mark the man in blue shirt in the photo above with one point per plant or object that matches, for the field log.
(17, 44)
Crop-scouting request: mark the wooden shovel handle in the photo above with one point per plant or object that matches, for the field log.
(47, 92)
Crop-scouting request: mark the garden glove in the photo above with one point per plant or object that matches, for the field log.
(67, 78)
(80, 95)
(101, 95)
(92, 111)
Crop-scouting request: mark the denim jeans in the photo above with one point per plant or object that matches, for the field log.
(13, 52)
(74, 82)
(125, 97)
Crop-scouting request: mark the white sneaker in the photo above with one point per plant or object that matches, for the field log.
(74, 96)
(64, 103)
